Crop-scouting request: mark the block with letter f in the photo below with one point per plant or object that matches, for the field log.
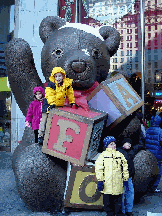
(73, 135)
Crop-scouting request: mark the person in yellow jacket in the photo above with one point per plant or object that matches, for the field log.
(111, 170)
(56, 92)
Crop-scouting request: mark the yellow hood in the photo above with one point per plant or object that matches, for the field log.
(54, 72)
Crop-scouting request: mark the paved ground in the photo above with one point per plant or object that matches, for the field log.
(11, 203)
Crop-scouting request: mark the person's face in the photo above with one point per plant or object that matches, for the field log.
(59, 77)
(127, 145)
(38, 95)
(112, 145)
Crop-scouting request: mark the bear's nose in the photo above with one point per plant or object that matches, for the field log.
(78, 67)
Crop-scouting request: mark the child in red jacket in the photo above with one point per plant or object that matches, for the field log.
(34, 113)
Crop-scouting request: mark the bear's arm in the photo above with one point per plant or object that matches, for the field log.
(21, 71)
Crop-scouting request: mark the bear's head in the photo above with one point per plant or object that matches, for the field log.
(81, 50)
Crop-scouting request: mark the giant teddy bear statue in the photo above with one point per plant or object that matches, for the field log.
(85, 56)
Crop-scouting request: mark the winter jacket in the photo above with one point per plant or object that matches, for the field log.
(56, 94)
(34, 113)
(111, 167)
(129, 157)
(153, 140)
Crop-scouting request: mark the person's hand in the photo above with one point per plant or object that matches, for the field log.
(100, 186)
(28, 124)
(51, 107)
(74, 105)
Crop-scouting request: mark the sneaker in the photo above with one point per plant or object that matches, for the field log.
(40, 140)
(157, 190)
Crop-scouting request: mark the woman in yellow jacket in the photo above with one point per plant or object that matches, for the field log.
(56, 92)
(111, 170)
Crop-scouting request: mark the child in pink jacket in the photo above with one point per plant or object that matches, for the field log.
(34, 113)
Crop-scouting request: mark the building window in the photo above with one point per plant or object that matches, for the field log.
(127, 52)
(149, 35)
(136, 59)
(155, 42)
(136, 30)
(116, 60)
(131, 59)
(127, 45)
(130, 51)
(136, 37)
(114, 67)
(122, 38)
(155, 57)
(136, 44)
(121, 31)
(155, 27)
(130, 45)
(121, 47)
(136, 66)
(149, 28)
(149, 65)
(122, 53)
(149, 72)
(127, 59)
(149, 57)
(122, 60)
(155, 65)
(155, 34)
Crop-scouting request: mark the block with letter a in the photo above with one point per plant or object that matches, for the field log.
(116, 97)
(73, 134)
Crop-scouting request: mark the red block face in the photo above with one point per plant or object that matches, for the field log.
(67, 136)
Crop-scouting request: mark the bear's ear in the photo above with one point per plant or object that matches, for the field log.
(111, 37)
(49, 25)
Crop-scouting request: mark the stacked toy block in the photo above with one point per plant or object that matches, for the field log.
(116, 97)
(73, 134)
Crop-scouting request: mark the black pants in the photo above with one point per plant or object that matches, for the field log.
(113, 204)
(36, 136)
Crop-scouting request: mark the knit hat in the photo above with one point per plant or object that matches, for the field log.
(107, 140)
(127, 140)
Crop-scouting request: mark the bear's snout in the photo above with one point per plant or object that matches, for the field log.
(78, 66)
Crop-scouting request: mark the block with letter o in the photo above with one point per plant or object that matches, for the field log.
(73, 135)
(82, 189)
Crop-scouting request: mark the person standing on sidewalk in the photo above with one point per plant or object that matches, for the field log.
(111, 170)
(128, 196)
(153, 143)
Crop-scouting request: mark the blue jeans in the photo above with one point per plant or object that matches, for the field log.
(128, 197)
(159, 175)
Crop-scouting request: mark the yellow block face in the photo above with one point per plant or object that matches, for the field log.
(3, 84)
(85, 190)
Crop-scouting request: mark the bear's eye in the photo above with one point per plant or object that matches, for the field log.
(57, 52)
(96, 53)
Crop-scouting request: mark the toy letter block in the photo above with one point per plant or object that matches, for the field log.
(82, 189)
(116, 97)
(73, 134)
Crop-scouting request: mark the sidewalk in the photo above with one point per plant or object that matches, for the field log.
(11, 203)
